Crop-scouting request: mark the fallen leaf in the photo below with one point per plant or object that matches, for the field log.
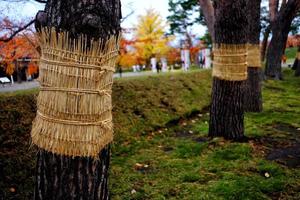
(267, 175)
(138, 166)
(133, 191)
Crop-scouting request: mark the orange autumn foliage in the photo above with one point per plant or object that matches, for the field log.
(174, 56)
(18, 48)
(21, 46)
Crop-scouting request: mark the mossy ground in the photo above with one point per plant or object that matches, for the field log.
(291, 54)
(161, 148)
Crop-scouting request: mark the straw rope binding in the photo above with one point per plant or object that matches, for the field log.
(254, 56)
(298, 55)
(74, 104)
(230, 62)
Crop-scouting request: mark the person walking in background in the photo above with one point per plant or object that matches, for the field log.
(120, 70)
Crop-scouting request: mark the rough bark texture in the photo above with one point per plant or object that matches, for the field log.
(227, 112)
(253, 97)
(296, 64)
(62, 177)
(280, 24)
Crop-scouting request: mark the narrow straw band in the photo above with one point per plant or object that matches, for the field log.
(230, 62)
(254, 55)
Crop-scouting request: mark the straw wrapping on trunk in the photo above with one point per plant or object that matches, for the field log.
(254, 55)
(230, 62)
(74, 104)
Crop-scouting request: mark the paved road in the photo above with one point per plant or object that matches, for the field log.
(35, 84)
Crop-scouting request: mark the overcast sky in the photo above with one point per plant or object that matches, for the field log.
(28, 10)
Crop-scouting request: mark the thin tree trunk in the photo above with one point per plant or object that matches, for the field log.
(275, 52)
(296, 64)
(208, 12)
(253, 97)
(227, 112)
(280, 24)
(63, 177)
(265, 43)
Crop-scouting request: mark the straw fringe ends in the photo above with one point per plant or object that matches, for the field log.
(74, 104)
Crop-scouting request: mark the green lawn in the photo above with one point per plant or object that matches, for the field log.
(291, 54)
(161, 149)
(182, 163)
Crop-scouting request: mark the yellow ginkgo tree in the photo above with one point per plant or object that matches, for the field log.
(151, 40)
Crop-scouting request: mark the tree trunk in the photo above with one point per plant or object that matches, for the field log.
(227, 112)
(265, 43)
(280, 25)
(64, 177)
(208, 12)
(274, 54)
(253, 97)
(296, 64)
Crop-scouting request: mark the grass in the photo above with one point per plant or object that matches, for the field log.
(161, 122)
(291, 52)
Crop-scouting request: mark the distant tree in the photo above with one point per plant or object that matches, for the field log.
(150, 39)
(295, 27)
(208, 16)
(296, 65)
(227, 108)
(127, 58)
(174, 56)
(17, 47)
(281, 19)
(265, 30)
(182, 17)
(206, 39)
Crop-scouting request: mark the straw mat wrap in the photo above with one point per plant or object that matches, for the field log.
(230, 62)
(74, 104)
(254, 56)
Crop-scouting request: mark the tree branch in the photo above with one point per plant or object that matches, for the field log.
(12, 1)
(17, 31)
(41, 1)
(124, 18)
(208, 12)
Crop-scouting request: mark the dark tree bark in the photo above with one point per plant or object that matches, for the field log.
(63, 177)
(296, 64)
(264, 43)
(227, 112)
(253, 97)
(280, 25)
